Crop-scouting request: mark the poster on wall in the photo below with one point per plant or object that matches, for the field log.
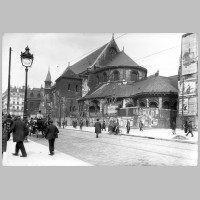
(85, 87)
(187, 88)
(183, 106)
(112, 109)
(154, 122)
(189, 54)
(192, 106)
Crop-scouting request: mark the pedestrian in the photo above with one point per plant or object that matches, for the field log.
(117, 127)
(87, 122)
(20, 131)
(190, 129)
(81, 124)
(104, 126)
(97, 126)
(141, 125)
(4, 138)
(174, 127)
(185, 126)
(8, 123)
(51, 134)
(128, 126)
(63, 123)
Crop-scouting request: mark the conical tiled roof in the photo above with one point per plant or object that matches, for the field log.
(153, 84)
(48, 78)
(122, 59)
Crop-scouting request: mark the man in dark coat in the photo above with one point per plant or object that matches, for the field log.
(141, 125)
(104, 126)
(51, 134)
(81, 124)
(174, 127)
(185, 126)
(87, 122)
(8, 123)
(190, 129)
(20, 131)
(97, 126)
(128, 127)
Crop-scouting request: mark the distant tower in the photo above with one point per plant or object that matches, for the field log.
(47, 82)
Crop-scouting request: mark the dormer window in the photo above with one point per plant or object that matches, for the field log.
(69, 87)
(76, 88)
(116, 75)
(104, 77)
(134, 76)
(98, 79)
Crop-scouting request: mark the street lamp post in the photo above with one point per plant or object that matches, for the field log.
(27, 60)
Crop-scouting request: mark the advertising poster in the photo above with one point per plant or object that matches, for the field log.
(187, 88)
(154, 122)
(112, 109)
(189, 54)
(192, 106)
(183, 106)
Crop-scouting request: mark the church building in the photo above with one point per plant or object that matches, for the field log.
(108, 84)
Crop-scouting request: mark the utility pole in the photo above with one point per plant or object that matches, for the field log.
(8, 100)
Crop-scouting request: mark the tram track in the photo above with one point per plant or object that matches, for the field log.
(132, 139)
(81, 139)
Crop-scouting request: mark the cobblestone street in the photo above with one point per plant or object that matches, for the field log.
(112, 150)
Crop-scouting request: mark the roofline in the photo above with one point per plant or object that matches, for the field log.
(67, 78)
(133, 96)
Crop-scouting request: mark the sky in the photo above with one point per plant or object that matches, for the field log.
(153, 51)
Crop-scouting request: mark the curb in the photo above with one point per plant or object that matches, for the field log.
(148, 137)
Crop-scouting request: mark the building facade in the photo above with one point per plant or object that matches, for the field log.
(34, 97)
(188, 80)
(16, 101)
(107, 81)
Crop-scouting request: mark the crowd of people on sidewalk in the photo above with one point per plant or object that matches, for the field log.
(21, 128)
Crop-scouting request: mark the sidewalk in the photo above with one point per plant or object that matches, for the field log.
(160, 134)
(38, 156)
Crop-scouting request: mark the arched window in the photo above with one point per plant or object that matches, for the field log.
(69, 87)
(76, 88)
(166, 105)
(74, 108)
(116, 75)
(142, 104)
(104, 77)
(134, 76)
(153, 105)
(32, 94)
(38, 95)
(98, 79)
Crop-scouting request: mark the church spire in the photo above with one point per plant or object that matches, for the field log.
(48, 78)
(48, 81)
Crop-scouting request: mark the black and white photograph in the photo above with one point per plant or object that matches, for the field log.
(100, 99)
